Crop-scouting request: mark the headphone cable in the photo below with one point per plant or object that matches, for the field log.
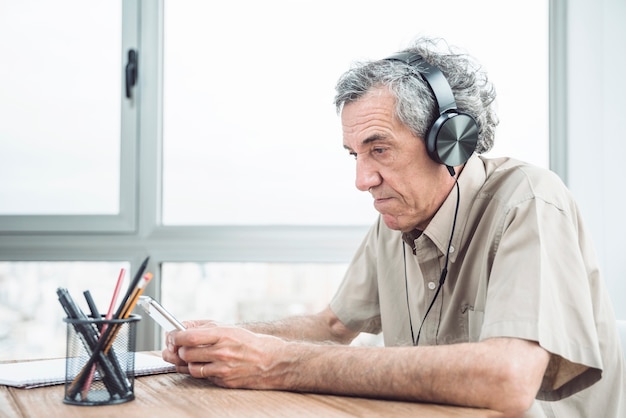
(444, 272)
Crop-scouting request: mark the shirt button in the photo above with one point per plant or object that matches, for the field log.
(431, 285)
(451, 249)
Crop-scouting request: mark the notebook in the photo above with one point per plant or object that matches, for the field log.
(32, 374)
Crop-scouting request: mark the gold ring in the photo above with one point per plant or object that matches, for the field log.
(202, 371)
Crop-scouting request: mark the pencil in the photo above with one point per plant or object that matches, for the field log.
(141, 286)
(130, 305)
(116, 293)
(131, 288)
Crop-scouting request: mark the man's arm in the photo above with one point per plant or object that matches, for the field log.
(321, 327)
(501, 373)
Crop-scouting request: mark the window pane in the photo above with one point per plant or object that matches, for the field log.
(60, 105)
(250, 132)
(239, 292)
(32, 318)
(247, 292)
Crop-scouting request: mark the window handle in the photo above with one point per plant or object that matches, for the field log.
(131, 72)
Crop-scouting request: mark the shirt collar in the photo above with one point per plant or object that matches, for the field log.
(410, 237)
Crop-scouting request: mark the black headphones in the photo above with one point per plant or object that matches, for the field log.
(453, 136)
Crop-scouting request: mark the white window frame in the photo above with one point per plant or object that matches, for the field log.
(137, 231)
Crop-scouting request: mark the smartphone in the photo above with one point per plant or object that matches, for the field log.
(159, 314)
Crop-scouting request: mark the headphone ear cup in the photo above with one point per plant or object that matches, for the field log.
(452, 138)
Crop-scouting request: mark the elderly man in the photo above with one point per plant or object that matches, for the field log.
(479, 272)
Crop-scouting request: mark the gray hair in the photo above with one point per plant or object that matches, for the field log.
(415, 103)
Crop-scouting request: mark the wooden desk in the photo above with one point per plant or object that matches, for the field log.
(176, 395)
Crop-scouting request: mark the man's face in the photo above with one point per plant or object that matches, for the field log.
(408, 187)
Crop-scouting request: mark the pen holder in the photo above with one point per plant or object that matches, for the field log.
(100, 360)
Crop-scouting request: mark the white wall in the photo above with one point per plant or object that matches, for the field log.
(596, 113)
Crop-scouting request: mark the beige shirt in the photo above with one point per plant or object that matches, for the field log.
(520, 265)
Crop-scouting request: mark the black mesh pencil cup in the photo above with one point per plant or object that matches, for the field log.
(100, 360)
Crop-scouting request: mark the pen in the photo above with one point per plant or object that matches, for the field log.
(92, 305)
(96, 315)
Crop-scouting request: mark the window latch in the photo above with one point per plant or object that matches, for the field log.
(131, 72)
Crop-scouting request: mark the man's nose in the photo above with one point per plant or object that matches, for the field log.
(366, 175)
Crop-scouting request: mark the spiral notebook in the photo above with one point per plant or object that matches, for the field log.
(37, 373)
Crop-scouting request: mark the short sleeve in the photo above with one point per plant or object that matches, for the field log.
(356, 301)
(540, 290)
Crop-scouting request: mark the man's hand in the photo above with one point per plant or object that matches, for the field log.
(170, 353)
(227, 356)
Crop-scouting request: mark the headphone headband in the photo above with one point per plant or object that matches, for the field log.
(432, 75)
